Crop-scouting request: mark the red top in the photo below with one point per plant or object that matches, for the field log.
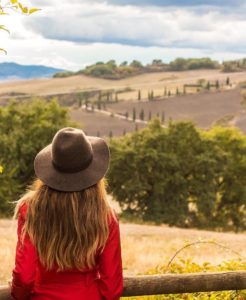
(32, 281)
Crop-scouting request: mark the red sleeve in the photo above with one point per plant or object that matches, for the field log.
(23, 274)
(110, 265)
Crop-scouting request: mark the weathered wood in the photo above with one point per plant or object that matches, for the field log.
(4, 293)
(175, 283)
(184, 283)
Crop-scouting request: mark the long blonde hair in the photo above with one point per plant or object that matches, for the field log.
(67, 228)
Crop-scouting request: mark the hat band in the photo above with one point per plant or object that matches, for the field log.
(73, 169)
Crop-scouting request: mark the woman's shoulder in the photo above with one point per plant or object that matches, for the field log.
(113, 218)
(23, 204)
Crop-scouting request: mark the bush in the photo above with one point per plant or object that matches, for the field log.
(25, 128)
(63, 74)
(136, 64)
(234, 65)
(189, 266)
(181, 64)
(202, 63)
(181, 176)
(99, 70)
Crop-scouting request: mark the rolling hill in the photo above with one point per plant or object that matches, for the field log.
(218, 106)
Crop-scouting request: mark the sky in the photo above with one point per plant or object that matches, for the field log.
(71, 34)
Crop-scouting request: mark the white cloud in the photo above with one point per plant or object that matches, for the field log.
(131, 25)
(72, 34)
(71, 56)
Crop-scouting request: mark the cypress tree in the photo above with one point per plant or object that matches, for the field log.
(163, 117)
(86, 103)
(134, 114)
(80, 101)
(149, 96)
(217, 84)
(141, 115)
(152, 95)
(139, 95)
(108, 95)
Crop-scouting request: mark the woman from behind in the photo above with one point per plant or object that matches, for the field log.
(68, 235)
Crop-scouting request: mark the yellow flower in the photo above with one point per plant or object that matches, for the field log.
(1, 169)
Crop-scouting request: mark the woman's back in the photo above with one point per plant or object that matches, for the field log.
(68, 244)
(30, 277)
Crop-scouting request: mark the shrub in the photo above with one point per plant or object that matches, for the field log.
(25, 128)
(181, 64)
(181, 176)
(189, 266)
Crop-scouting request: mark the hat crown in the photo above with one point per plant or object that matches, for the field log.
(71, 150)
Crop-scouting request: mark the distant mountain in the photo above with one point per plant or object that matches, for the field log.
(9, 71)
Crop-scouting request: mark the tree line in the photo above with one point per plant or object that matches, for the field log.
(178, 174)
(181, 176)
(112, 70)
(99, 99)
(234, 65)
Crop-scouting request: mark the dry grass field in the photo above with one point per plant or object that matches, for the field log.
(203, 109)
(95, 123)
(240, 121)
(144, 82)
(143, 246)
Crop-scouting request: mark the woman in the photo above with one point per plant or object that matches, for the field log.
(68, 235)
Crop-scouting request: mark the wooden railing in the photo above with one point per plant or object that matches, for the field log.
(174, 283)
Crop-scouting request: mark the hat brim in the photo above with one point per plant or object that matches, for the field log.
(71, 182)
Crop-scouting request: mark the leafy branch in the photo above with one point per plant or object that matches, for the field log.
(201, 242)
(16, 6)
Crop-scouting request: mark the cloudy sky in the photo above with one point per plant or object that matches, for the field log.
(71, 34)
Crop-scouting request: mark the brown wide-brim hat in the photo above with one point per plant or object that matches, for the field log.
(73, 161)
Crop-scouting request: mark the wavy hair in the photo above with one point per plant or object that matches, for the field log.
(67, 228)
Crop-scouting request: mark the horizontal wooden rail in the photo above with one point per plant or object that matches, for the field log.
(175, 283)
(184, 283)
